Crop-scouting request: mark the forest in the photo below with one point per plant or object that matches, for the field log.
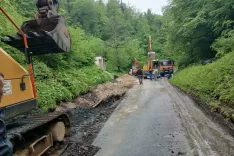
(198, 30)
(188, 31)
(113, 30)
(119, 32)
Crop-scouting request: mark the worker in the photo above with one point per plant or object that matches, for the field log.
(155, 74)
(159, 71)
(151, 74)
(157, 64)
(139, 74)
(6, 148)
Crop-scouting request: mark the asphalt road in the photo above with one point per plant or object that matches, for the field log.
(155, 119)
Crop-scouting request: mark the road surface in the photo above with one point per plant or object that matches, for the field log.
(157, 120)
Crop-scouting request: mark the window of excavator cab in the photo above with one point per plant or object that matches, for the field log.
(166, 63)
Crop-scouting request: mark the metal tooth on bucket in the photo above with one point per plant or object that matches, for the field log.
(34, 34)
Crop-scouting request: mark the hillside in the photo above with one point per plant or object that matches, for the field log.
(198, 30)
(59, 77)
(213, 83)
(114, 30)
(188, 32)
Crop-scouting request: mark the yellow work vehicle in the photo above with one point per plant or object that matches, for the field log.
(46, 34)
(151, 57)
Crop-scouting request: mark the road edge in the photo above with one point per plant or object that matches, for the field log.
(216, 117)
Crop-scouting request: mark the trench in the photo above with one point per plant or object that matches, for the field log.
(86, 122)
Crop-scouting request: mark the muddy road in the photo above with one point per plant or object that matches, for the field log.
(154, 119)
(157, 120)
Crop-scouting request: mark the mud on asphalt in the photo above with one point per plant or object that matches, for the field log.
(86, 122)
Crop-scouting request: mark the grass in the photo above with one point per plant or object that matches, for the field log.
(213, 83)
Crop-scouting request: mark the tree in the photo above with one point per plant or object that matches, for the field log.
(114, 29)
(192, 26)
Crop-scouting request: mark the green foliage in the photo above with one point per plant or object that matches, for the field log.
(224, 44)
(59, 77)
(7, 28)
(213, 83)
(27, 8)
(51, 93)
(189, 31)
(62, 85)
(198, 29)
(55, 86)
(121, 33)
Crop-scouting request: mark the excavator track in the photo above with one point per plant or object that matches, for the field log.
(31, 134)
(16, 128)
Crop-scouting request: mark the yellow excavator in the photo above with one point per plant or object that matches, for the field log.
(151, 59)
(46, 34)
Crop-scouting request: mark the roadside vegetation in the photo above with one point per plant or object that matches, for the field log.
(213, 83)
(188, 32)
(114, 30)
(60, 77)
(197, 30)
(200, 30)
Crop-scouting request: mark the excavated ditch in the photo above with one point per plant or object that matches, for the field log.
(88, 113)
(86, 122)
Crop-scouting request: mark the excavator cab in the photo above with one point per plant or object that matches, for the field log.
(46, 34)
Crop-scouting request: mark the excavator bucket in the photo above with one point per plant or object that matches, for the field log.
(46, 35)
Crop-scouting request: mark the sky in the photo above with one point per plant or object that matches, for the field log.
(144, 5)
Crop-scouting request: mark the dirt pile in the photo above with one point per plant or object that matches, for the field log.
(104, 93)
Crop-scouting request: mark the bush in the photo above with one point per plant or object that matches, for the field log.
(214, 83)
(64, 85)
